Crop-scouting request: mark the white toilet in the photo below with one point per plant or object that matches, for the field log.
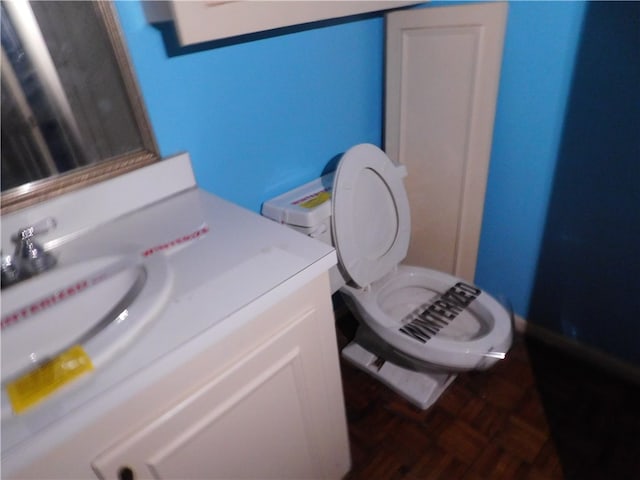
(417, 326)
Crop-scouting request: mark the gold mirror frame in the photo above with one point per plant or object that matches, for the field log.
(45, 189)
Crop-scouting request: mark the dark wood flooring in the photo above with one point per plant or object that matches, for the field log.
(539, 414)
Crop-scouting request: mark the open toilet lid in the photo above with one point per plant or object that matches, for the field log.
(370, 217)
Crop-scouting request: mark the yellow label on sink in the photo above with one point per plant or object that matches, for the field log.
(41, 382)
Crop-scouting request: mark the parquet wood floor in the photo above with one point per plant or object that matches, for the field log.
(539, 414)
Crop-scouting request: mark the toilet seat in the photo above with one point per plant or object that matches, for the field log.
(370, 214)
(371, 229)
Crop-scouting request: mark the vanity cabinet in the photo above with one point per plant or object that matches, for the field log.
(201, 21)
(266, 402)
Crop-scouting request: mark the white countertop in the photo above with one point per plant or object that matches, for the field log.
(236, 266)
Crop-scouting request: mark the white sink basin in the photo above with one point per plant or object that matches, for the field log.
(100, 304)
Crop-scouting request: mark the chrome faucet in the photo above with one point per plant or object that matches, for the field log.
(30, 258)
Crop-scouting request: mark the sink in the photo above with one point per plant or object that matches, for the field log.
(97, 304)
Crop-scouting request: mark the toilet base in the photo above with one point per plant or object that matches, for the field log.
(420, 388)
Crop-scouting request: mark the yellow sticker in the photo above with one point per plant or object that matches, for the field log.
(317, 199)
(42, 381)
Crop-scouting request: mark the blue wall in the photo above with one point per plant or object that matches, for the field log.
(588, 273)
(538, 60)
(262, 116)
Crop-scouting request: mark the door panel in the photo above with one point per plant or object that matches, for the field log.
(256, 420)
(443, 67)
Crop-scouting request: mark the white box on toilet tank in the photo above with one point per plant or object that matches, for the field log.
(307, 209)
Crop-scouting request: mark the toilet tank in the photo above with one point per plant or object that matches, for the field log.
(307, 209)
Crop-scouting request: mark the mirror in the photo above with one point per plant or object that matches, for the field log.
(72, 113)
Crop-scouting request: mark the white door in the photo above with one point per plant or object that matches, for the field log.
(442, 73)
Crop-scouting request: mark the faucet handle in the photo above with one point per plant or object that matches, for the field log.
(40, 227)
(32, 257)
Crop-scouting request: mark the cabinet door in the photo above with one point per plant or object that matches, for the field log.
(443, 67)
(264, 417)
(204, 21)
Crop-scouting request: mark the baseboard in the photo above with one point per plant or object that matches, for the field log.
(598, 358)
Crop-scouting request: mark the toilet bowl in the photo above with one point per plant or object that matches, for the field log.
(434, 320)
(417, 326)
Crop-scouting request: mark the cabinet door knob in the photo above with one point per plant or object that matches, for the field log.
(126, 473)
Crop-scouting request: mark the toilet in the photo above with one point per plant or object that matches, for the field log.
(417, 327)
